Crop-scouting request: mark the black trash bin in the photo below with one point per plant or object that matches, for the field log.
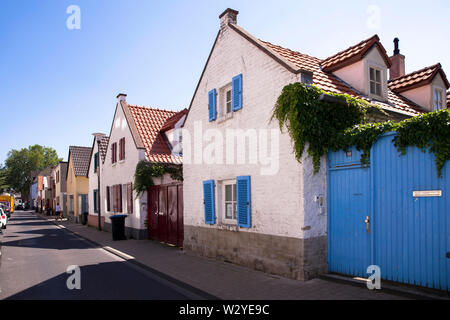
(84, 218)
(118, 227)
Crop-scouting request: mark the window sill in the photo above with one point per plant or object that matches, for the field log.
(225, 117)
(228, 226)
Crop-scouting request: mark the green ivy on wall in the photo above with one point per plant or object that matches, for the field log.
(337, 125)
(146, 171)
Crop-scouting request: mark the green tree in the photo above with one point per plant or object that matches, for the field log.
(3, 185)
(20, 164)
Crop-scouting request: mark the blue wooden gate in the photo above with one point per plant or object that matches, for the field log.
(394, 213)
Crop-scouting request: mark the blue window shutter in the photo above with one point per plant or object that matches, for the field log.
(243, 202)
(209, 201)
(237, 92)
(212, 105)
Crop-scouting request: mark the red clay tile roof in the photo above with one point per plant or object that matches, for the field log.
(330, 83)
(417, 78)
(325, 81)
(149, 122)
(353, 54)
(81, 157)
(171, 122)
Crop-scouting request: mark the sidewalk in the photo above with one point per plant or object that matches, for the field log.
(223, 280)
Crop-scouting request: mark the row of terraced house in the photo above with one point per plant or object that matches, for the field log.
(268, 215)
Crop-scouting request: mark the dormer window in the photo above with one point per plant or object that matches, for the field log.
(375, 82)
(307, 78)
(438, 101)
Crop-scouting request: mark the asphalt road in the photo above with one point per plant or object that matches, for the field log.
(36, 254)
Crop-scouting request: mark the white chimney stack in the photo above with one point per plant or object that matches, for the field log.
(228, 16)
(122, 97)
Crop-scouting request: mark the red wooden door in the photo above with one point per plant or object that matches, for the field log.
(162, 215)
(172, 209)
(165, 214)
(153, 209)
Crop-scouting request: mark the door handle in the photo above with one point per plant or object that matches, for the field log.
(367, 222)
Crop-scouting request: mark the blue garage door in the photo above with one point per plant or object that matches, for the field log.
(404, 209)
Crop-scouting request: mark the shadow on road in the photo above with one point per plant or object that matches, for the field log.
(111, 280)
(49, 239)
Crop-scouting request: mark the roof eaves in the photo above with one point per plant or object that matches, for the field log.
(427, 80)
(132, 125)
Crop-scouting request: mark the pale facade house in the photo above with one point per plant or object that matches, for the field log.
(269, 211)
(97, 158)
(135, 135)
(77, 182)
(43, 193)
(58, 175)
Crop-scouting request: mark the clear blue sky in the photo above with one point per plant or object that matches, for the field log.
(58, 86)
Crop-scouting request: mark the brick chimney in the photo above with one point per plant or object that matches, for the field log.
(121, 97)
(398, 62)
(228, 16)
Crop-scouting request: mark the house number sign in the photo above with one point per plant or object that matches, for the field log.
(427, 194)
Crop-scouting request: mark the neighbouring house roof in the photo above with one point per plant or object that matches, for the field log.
(46, 172)
(172, 121)
(146, 124)
(81, 157)
(103, 147)
(353, 54)
(417, 78)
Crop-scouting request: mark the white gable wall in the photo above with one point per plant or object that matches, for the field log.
(263, 80)
(122, 172)
(93, 179)
(278, 201)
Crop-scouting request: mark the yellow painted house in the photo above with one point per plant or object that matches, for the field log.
(77, 182)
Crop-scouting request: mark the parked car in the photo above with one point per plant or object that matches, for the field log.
(3, 219)
(20, 207)
(5, 209)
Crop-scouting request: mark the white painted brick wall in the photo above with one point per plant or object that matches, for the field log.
(123, 172)
(278, 202)
(93, 180)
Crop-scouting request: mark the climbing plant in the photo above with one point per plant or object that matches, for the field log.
(146, 171)
(315, 122)
(337, 125)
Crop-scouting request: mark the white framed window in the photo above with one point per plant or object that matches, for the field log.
(229, 201)
(225, 107)
(228, 101)
(438, 99)
(375, 82)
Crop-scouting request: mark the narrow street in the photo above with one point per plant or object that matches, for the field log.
(36, 254)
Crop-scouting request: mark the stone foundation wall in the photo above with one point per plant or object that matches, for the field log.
(294, 258)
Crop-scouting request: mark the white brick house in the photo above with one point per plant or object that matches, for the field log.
(98, 153)
(135, 135)
(266, 213)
